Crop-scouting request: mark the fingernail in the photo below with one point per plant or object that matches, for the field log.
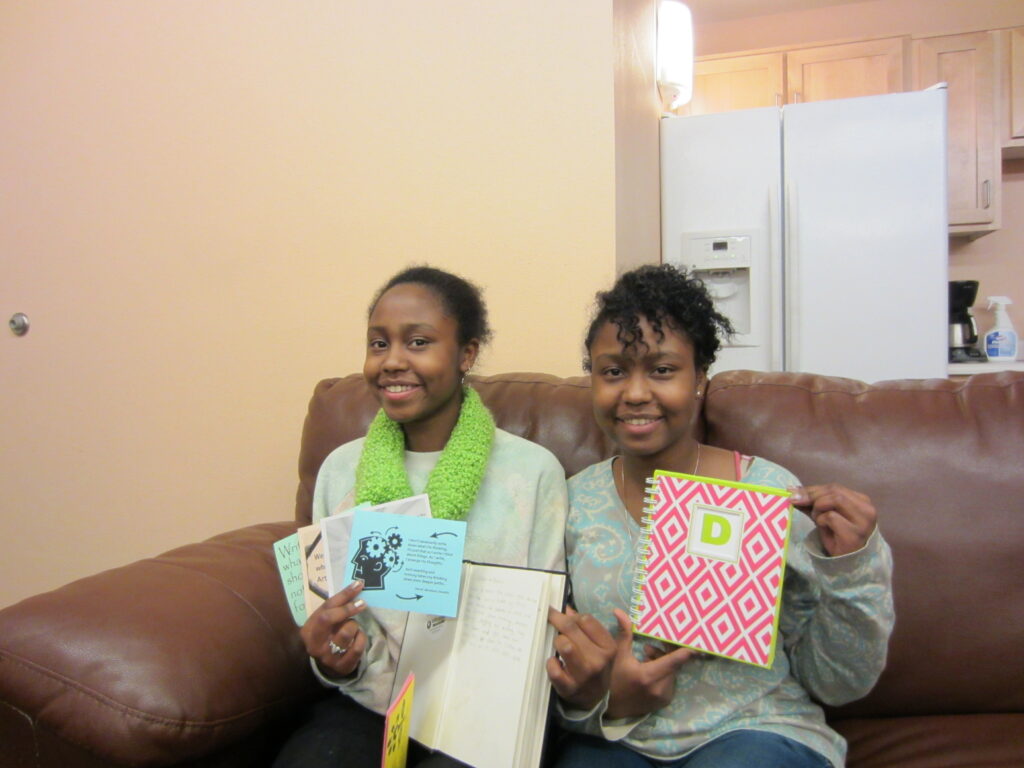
(797, 494)
(358, 603)
(354, 584)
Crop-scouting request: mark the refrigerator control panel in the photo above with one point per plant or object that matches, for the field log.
(716, 252)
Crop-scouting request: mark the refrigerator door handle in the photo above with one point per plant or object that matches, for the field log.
(791, 278)
(777, 272)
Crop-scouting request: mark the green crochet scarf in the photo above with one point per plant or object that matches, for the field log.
(456, 478)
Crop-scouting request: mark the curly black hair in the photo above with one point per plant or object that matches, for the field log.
(462, 301)
(668, 297)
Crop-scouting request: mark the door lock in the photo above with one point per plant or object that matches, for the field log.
(18, 323)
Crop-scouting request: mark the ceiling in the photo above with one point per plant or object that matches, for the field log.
(710, 11)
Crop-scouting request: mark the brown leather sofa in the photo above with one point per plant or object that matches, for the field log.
(191, 658)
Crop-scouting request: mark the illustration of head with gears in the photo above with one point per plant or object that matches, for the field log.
(379, 554)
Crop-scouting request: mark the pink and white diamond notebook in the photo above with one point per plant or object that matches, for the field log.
(712, 560)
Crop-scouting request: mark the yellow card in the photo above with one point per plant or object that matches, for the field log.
(396, 727)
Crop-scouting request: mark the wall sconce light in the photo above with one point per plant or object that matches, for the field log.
(675, 54)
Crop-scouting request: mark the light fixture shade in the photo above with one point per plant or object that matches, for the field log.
(675, 53)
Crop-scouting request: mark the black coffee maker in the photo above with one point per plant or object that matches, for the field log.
(963, 331)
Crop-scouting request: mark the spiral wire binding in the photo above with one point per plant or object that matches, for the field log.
(636, 603)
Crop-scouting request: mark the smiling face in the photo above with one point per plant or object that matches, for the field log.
(644, 396)
(414, 364)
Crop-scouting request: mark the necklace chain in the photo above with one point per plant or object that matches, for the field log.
(622, 478)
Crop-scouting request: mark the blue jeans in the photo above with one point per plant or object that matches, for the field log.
(735, 749)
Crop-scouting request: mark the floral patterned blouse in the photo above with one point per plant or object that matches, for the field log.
(836, 619)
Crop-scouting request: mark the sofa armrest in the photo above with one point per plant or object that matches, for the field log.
(158, 662)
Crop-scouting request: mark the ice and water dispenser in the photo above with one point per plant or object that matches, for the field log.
(724, 263)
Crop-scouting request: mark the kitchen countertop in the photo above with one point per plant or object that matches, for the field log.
(985, 366)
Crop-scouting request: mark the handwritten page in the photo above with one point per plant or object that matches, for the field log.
(481, 681)
(407, 563)
(495, 650)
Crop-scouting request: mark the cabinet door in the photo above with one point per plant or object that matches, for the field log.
(739, 82)
(967, 64)
(1016, 75)
(848, 70)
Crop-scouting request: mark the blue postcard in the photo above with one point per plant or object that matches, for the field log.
(407, 563)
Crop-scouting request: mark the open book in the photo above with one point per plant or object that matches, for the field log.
(710, 575)
(482, 688)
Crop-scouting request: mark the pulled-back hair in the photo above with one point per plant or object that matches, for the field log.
(669, 298)
(461, 300)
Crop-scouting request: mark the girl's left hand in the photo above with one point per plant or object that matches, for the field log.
(640, 687)
(845, 518)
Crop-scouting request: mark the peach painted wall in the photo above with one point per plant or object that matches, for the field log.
(996, 259)
(200, 198)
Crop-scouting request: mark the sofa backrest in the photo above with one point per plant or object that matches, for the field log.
(554, 412)
(941, 460)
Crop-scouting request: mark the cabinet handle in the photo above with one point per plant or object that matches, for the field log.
(778, 99)
(797, 98)
(986, 199)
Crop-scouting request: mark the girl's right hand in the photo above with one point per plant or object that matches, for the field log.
(640, 687)
(332, 637)
(581, 671)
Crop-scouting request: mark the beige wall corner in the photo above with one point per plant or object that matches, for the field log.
(201, 200)
(637, 111)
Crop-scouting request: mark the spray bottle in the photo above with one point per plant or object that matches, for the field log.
(1001, 341)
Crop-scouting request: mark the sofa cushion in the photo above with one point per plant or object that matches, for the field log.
(941, 460)
(161, 661)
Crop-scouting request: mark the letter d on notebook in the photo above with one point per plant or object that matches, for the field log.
(715, 532)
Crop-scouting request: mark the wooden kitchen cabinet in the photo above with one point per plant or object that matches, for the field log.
(737, 82)
(837, 71)
(847, 70)
(967, 64)
(1011, 92)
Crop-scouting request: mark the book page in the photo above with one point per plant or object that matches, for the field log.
(426, 652)
(531, 733)
(495, 660)
(336, 530)
(406, 563)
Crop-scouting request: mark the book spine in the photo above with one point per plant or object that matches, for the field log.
(643, 550)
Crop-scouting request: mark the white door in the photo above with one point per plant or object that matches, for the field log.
(866, 244)
(720, 178)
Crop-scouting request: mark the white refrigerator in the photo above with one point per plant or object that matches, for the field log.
(820, 229)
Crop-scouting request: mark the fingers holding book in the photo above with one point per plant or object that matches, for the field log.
(845, 518)
(581, 671)
(640, 687)
(332, 638)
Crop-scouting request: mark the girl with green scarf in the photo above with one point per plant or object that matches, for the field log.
(432, 435)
